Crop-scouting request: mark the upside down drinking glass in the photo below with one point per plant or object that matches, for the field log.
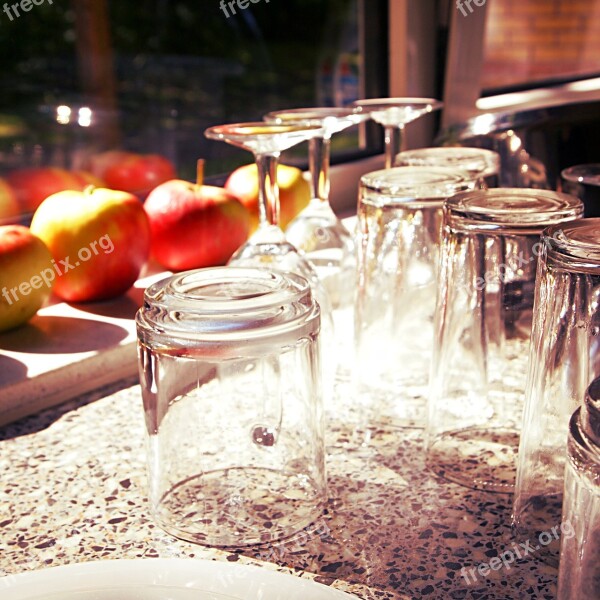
(229, 363)
(483, 326)
(399, 229)
(564, 360)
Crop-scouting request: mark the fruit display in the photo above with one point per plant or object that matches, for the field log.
(9, 207)
(26, 275)
(98, 238)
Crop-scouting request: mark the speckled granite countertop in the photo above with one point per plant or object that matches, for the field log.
(73, 489)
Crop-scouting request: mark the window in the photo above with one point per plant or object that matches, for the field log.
(92, 75)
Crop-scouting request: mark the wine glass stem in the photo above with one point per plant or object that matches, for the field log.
(393, 143)
(318, 159)
(268, 190)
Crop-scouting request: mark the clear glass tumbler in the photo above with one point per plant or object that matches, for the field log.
(480, 163)
(564, 360)
(230, 369)
(579, 574)
(583, 181)
(483, 326)
(398, 237)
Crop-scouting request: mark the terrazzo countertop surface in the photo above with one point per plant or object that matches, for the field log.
(73, 489)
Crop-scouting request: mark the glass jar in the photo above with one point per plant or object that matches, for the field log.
(579, 573)
(230, 369)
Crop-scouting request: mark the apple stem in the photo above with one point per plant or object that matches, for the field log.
(200, 172)
(89, 189)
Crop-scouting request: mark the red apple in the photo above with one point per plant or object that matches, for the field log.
(32, 186)
(9, 207)
(26, 275)
(85, 178)
(99, 239)
(134, 173)
(294, 191)
(194, 225)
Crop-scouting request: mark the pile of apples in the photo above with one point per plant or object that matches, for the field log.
(137, 203)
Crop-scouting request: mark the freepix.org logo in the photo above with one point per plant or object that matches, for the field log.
(232, 4)
(14, 11)
(464, 5)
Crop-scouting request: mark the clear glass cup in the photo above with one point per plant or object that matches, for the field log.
(564, 360)
(579, 573)
(480, 163)
(483, 325)
(230, 369)
(394, 114)
(583, 181)
(398, 237)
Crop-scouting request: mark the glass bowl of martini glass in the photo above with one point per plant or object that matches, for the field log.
(394, 114)
(317, 231)
(268, 247)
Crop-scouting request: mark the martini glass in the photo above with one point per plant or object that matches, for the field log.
(317, 231)
(268, 247)
(394, 114)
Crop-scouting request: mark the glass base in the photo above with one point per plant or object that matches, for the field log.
(480, 459)
(239, 506)
(537, 523)
(329, 246)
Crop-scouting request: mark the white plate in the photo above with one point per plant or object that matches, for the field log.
(162, 579)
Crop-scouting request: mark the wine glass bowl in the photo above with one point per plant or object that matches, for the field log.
(317, 231)
(394, 114)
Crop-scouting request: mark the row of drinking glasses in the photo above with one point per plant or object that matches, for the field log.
(499, 362)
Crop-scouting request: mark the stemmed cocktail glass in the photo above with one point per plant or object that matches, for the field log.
(394, 114)
(268, 246)
(317, 231)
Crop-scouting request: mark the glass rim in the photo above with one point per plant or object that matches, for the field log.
(383, 103)
(484, 162)
(255, 129)
(576, 243)
(220, 304)
(519, 209)
(331, 119)
(588, 173)
(411, 184)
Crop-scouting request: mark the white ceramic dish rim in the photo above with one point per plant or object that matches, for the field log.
(217, 579)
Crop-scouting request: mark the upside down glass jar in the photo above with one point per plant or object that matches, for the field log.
(230, 370)
(579, 574)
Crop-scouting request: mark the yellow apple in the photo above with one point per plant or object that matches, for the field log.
(26, 275)
(294, 191)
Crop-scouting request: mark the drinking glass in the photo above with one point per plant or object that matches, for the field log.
(579, 574)
(483, 326)
(480, 163)
(399, 231)
(317, 231)
(229, 362)
(394, 114)
(564, 360)
(583, 181)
